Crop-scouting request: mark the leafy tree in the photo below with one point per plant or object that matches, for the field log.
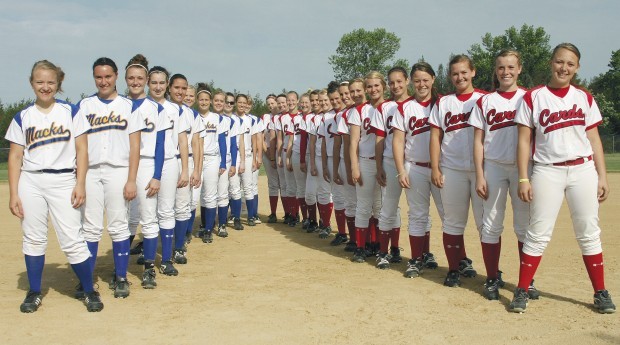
(7, 112)
(533, 45)
(606, 89)
(442, 81)
(362, 51)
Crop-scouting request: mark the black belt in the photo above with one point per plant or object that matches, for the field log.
(56, 171)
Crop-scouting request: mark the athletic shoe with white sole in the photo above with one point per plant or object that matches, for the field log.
(519, 301)
(338, 240)
(532, 291)
(603, 303)
(383, 261)
(491, 289)
(221, 231)
(414, 268)
(148, 278)
(359, 255)
(453, 279)
(93, 301)
(168, 269)
(395, 255)
(466, 269)
(121, 288)
(429, 262)
(179, 257)
(31, 303)
(324, 233)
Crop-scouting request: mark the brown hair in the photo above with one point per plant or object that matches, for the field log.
(44, 64)
(462, 58)
(423, 66)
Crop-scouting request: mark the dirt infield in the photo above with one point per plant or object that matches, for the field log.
(279, 285)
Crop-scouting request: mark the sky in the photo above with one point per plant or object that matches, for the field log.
(266, 46)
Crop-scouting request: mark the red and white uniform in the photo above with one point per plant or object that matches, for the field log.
(349, 192)
(563, 165)
(494, 114)
(295, 130)
(277, 124)
(273, 181)
(451, 115)
(314, 185)
(412, 119)
(369, 193)
(289, 132)
(47, 177)
(327, 130)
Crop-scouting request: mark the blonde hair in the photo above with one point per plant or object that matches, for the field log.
(44, 64)
(375, 75)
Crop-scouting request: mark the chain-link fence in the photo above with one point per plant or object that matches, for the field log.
(611, 143)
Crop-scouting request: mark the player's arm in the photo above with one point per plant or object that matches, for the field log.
(255, 151)
(130, 190)
(356, 175)
(398, 148)
(16, 157)
(324, 158)
(346, 140)
(313, 170)
(599, 163)
(435, 153)
(241, 153)
(279, 143)
(184, 153)
(289, 152)
(336, 159)
(78, 196)
(481, 183)
(198, 144)
(379, 148)
(523, 160)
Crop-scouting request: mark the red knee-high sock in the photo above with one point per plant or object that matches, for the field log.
(452, 246)
(373, 227)
(527, 269)
(312, 212)
(273, 203)
(304, 208)
(462, 247)
(351, 227)
(341, 222)
(360, 237)
(596, 271)
(294, 207)
(427, 242)
(490, 254)
(284, 201)
(329, 208)
(417, 246)
(321, 208)
(395, 236)
(384, 240)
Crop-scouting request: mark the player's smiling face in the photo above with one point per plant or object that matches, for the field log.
(135, 77)
(178, 89)
(45, 85)
(105, 80)
(305, 105)
(314, 103)
(564, 65)
(282, 106)
(374, 89)
(461, 76)
(423, 84)
(334, 100)
(204, 102)
(357, 93)
(218, 103)
(229, 104)
(157, 86)
(242, 105)
(345, 95)
(507, 70)
(398, 85)
(324, 102)
(292, 102)
(272, 105)
(190, 97)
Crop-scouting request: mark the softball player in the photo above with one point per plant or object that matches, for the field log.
(411, 158)
(214, 161)
(189, 101)
(381, 124)
(452, 141)
(281, 155)
(47, 167)
(234, 187)
(114, 155)
(495, 137)
(305, 127)
(324, 197)
(257, 157)
(363, 166)
(246, 156)
(269, 148)
(296, 156)
(310, 127)
(328, 131)
(289, 132)
(190, 96)
(555, 115)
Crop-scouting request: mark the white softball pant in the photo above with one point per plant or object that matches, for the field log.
(368, 194)
(348, 192)
(255, 182)
(41, 193)
(210, 181)
(166, 198)
(195, 192)
(291, 183)
(184, 195)
(300, 176)
(502, 179)
(273, 179)
(459, 189)
(246, 179)
(282, 176)
(143, 209)
(337, 191)
(222, 188)
(389, 217)
(234, 184)
(323, 194)
(549, 185)
(419, 199)
(104, 192)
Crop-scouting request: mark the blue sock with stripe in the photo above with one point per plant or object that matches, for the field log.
(34, 269)
(121, 257)
(166, 236)
(222, 215)
(249, 204)
(210, 221)
(180, 227)
(84, 274)
(235, 208)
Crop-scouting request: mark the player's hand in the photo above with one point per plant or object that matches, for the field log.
(337, 179)
(313, 170)
(525, 192)
(289, 166)
(222, 170)
(481, 188)
(242, 168)
(350, 180)
(274, 164)
(130, 191)
(78, 196)
(356, 176)
(183, 180)
(303, 167)
(403, 179)
(259, 162)
(326, 176)
(196, 179)
(603, 189)
(381, 178)
(232, 171)
(15, 205)
(280, 163)
(254, 166)
(152, 188)
(437, 178)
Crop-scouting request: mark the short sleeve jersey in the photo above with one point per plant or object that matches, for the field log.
(382, 122)
(298, 121)
(328, 129)
(412, 119)
(560, 119)
(214, 126)
(179, 124)
(48, 139)
(360, 116)
(196, 125)
(155, 121)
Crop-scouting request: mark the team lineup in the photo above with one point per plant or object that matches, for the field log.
(150, 159)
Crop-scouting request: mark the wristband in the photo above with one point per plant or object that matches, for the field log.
(523, 180)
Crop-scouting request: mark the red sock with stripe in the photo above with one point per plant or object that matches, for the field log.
(596, 270)
(452, 246)
(360, 237)
(304, 208)
(527, 269)
(417, 246)
(341, 222)
(490, 254)
(384, 240)
(395, 236)
(351, 227)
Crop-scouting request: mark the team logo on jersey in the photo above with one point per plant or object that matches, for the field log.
(210, 128)
(39, 137)
(500, 120)
(105, 123)
(456, 121)
(388, 124)
(150, 126)
(366, 125)
(561, 119)
(296, 128)
(418, 126)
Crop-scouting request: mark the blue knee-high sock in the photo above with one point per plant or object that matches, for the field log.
(180, 227)
(190, 223)
(166, 236)
(222, 212)
(255, 205)
(84, 274)
(34, 268)
(121, 257)
(210, 219)
(93, 247)
(203, 217)
(149, 248)
(235, 208)
(249, 204)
